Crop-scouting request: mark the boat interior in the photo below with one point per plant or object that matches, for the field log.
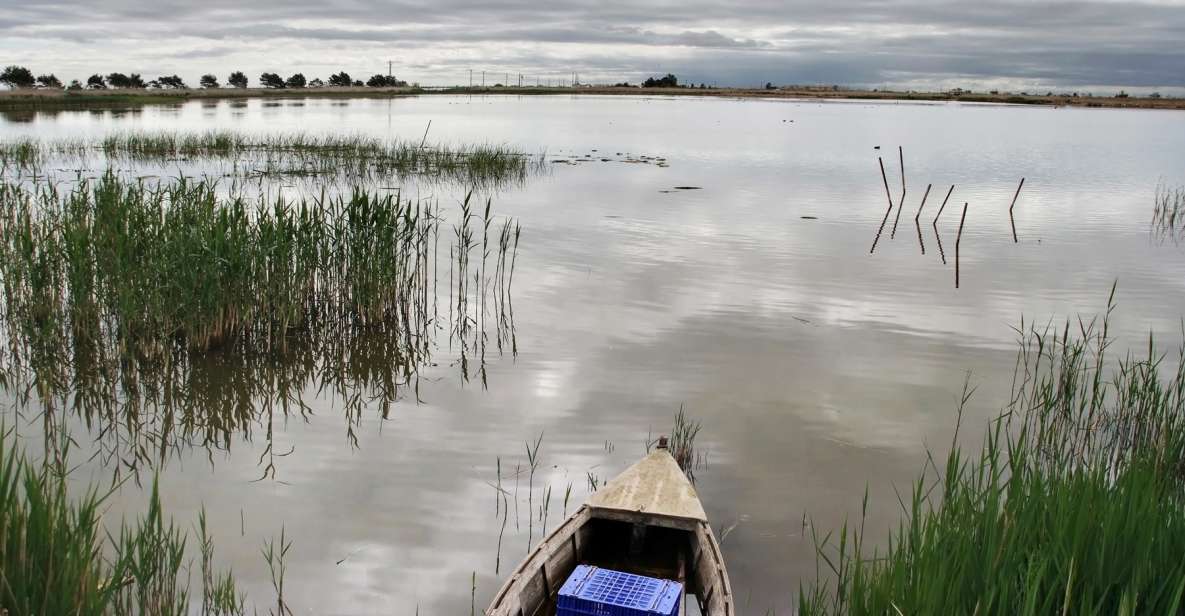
(689, 556)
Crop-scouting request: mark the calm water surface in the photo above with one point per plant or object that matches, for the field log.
(818, 370)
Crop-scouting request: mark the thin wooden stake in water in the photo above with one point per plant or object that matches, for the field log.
(923, 204)
(886, 181)
(959, 238)
(952, 189)
(901, 161)
(425, 139)
(1010, 218)
(889, 196)
(900, 202)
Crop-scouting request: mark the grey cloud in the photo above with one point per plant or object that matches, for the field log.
(435, 34)
(856, 42)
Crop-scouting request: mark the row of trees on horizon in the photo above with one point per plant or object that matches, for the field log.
(21, 77)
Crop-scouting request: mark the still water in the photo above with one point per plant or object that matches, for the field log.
(819, 370)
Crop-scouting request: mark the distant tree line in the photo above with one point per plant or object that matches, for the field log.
(21, 77)
(339, 80)
(669, 81)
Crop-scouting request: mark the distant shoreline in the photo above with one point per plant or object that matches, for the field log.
(60, 99)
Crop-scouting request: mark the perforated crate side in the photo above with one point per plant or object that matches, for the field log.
(593, 591)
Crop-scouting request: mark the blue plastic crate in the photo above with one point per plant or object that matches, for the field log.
(592, 591)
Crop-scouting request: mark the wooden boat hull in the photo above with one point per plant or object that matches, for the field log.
(615, 531)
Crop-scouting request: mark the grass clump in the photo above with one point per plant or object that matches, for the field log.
(20, 153)
(56, 557)
(1074, 506)
(1168, 215)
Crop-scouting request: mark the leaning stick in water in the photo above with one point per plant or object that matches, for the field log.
(1010, 218)
(935, 223)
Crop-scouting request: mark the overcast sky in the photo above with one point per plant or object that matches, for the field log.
(1092, 45)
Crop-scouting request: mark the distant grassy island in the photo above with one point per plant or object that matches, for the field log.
(56, 98)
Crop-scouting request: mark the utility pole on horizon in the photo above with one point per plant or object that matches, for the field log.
(483, 79)
(470, 78)
(388, 70)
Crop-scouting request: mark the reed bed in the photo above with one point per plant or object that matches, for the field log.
(154, 268)
(57, 558)
(168, 315)
(1075, 504)
(289, 155)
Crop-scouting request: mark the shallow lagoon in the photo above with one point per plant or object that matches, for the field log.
(817, 369)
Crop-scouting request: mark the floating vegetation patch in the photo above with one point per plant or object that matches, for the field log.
(168, 313)
(619, 157)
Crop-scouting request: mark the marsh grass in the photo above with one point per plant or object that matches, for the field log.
(56, 557)
(682, 445)
(353, 157)
(157, 268)
(172, 314)
(19, 153)
(1074, 505)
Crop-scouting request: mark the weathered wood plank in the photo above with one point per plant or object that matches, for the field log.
(654, 486)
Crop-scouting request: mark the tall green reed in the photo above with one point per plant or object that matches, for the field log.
(1074, 505)
(142, 306)
(57, 558)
